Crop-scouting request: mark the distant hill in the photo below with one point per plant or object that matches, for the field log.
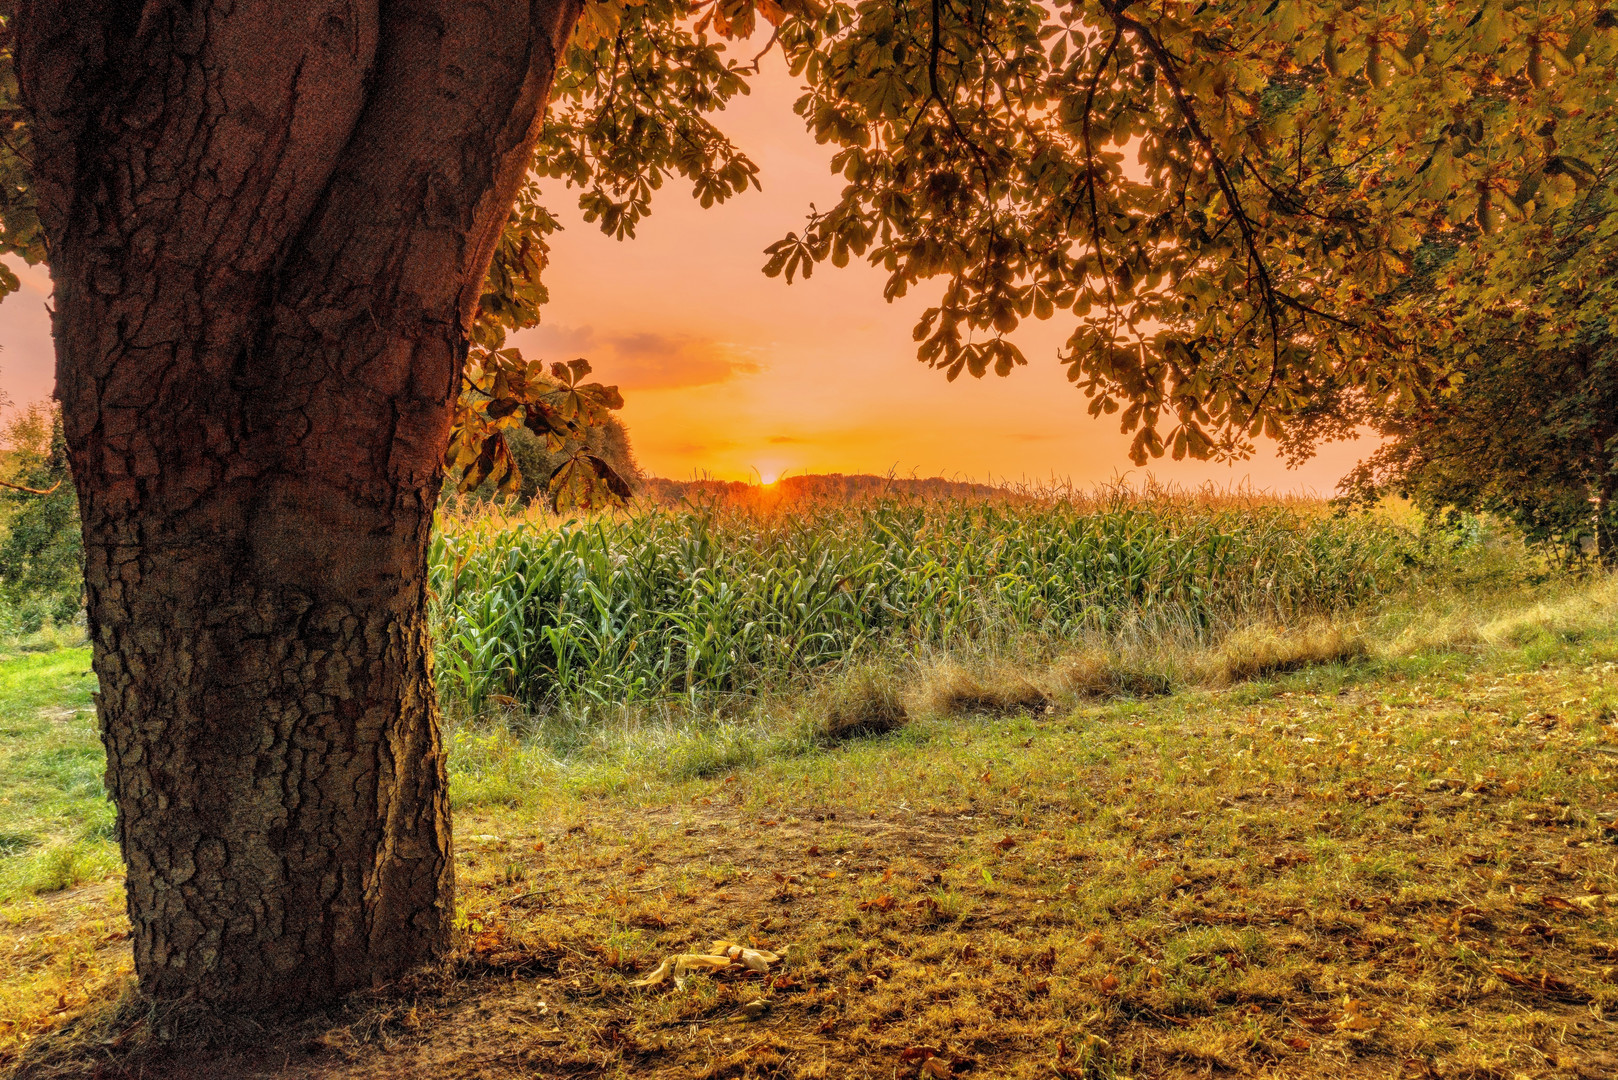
(817, 487)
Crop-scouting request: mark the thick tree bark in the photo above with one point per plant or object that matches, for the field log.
(269, 223)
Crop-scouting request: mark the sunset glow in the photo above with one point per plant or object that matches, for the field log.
(716, 361)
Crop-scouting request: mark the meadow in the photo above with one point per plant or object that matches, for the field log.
(1113, 786)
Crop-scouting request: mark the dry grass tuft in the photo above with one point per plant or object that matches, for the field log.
(953, 689)
(1101, 677)
(865, 701)
(1259, 652)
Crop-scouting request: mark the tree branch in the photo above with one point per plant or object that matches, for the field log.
(32, 491)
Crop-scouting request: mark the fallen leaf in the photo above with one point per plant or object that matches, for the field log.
(936, 1068)
(1357, 1017)
(1544, 982)
(751, 959)
(1005, 843)
(881, 903)
(683, 964)
(912, 1054)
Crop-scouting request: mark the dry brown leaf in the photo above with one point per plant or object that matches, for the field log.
(1544, 982)
(1358, 1017)
(751, 959)
(683, 964)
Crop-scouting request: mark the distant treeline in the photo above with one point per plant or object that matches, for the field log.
(829, 487)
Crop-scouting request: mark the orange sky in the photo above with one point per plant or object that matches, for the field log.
(732, 374)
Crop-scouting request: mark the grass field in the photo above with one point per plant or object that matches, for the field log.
(1371, 842)
(55, 822)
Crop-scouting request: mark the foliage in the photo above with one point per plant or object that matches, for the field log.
(608, 441)
(41, 552)
(503, 390)
(1531, 436)
(1254, 210)
(723, 599)
(1246, 205)
(1248, 208)
(628, 111)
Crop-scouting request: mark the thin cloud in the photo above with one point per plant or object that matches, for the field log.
(652, 361)
(645, 360)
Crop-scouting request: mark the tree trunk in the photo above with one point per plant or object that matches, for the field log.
(269, 223)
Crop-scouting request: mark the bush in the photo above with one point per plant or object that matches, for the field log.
(41, 552)
(864, 701)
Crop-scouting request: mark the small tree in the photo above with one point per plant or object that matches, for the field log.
(41, 577)
(1531, 436)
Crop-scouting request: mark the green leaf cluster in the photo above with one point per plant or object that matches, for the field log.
(1244, 209)
(631, 109)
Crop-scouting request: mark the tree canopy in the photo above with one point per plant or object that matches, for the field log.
(1250, 213)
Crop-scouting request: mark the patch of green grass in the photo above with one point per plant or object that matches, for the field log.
(55, 820)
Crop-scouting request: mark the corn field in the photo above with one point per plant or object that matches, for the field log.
(667, 602)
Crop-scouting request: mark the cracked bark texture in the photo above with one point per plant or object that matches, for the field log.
(268, 226)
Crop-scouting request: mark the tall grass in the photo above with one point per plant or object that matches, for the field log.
(719, 599)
